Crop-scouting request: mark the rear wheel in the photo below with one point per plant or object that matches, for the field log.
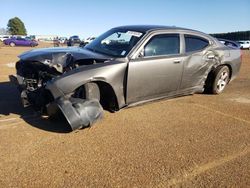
(12, 44)
(221, 79)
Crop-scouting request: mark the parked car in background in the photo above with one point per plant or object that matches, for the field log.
(74, 40)
(62, 40)
(89, 40)
(4, 37)
(229, 43)
(18, 41)
(140, 64)
(56, 42)
(30, 38)
(244, 44)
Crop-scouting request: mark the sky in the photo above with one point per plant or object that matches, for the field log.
(92, 17)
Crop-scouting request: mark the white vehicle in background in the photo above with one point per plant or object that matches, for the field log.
(3, 37)
(244, 44)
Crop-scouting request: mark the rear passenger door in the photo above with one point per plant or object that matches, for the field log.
(157, 70)
(197, 61)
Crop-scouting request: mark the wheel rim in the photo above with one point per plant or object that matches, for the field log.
(222, 82)
(12, 44)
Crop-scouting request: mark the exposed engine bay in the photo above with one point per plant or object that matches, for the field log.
(36, 74)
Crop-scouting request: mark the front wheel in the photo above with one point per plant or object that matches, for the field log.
(12, 44)
(88, 91)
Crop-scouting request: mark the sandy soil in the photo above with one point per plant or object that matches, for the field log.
(192, 141)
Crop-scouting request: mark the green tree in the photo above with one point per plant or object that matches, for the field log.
(16, 27)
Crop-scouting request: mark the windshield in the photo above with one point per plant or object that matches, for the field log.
(115, 42)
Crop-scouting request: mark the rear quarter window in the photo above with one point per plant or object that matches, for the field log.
(195, 43)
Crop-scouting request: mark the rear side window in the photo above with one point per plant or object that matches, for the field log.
(194, 43)
(165, 44)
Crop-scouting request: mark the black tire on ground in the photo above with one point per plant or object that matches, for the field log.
(218, 80)
(12, 44)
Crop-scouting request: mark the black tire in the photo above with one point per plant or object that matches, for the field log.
(88, 91)
(220, 79)
(12, 44)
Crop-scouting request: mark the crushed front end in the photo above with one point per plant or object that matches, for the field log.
(34, 80)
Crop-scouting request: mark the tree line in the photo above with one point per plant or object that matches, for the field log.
(236, 36)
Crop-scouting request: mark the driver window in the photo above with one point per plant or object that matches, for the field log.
(165, 44)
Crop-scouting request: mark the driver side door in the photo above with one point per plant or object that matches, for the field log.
(157, 72)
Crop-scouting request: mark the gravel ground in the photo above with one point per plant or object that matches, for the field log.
(192, 141)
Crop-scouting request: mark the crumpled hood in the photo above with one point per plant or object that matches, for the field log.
(59, 53)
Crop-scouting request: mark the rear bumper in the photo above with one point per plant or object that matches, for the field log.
(235, 70)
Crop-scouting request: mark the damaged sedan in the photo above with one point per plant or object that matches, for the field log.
(124, 67)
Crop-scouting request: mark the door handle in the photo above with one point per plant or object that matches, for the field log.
(177, 61)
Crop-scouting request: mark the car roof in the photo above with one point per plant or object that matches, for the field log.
(148, 28)
(152, 28)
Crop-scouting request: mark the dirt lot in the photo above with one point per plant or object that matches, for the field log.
(192, 141)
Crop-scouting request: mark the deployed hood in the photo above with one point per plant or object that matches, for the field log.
(49, 53)
(60, 58)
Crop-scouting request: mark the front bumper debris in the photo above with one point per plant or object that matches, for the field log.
(79, 113)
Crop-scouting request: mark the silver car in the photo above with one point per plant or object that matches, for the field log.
(123, 67)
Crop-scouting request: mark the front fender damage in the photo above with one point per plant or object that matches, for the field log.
(79, 113)
(38, 73)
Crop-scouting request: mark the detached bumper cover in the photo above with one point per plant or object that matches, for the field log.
(79, 113)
